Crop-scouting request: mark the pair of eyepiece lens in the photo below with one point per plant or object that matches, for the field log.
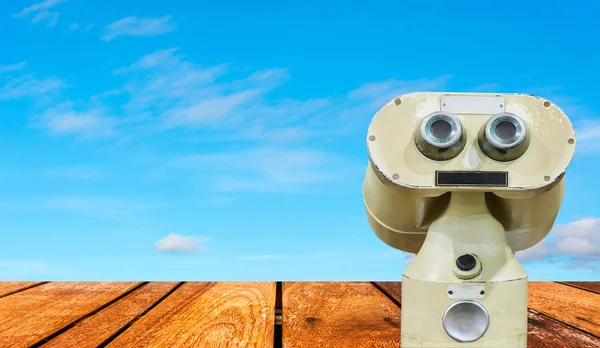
(503, 138)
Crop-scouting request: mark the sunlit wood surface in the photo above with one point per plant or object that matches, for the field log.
(237, 314)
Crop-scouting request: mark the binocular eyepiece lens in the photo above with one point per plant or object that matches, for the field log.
(441, 130)
(504, 137)
(505, 131)
(440, 136)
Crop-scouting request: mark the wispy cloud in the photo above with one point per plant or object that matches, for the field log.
(138, 26)
(165, 90)
(27, 85)
(380, 93)
(41, 12)
(177, 243)
(91, 123)
(266, 169)
(12, 67)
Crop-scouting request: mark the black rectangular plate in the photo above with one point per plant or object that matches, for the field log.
(494, 179)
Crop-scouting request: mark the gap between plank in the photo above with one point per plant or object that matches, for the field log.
(382, 290)
(23, 289)
(139, 316)
(278, 330)
(578, 287)
(71, 325)
(562, 322)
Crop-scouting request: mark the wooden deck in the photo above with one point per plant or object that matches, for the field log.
(297, 314)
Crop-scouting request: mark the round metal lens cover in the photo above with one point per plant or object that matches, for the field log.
(441, 142)
(465, 321)
(492, 136)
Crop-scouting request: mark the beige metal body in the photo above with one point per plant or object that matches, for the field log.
(409, 211)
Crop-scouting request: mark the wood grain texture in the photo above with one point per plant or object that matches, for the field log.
(544, 332)
(207, 315)
(570, 305)
(28, 316)
(7, 288)
(589, 286)
(94, 330)
(338, 315)
(392, 289)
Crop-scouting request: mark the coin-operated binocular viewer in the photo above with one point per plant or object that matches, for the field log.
(463, 180)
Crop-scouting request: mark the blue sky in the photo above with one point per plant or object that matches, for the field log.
(187, 140)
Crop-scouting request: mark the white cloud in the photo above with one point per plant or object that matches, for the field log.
(572, 245)
(537, 252)
(380, 93)
(165, 90)
(177, 243)
(65, 119)
(28, 85)
(12, 67)
(580, 239)
(41, 12)
(138, 26)
(267, 169)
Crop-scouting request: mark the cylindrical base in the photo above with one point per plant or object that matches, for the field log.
(503, 304)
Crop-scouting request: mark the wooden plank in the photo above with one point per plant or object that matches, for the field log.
(570, 305)
(206, 315)
(589, 286)
(392, 289)
(546, 332)
(28, 316)
(8, 288)
(94, 330)
(338, 314)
